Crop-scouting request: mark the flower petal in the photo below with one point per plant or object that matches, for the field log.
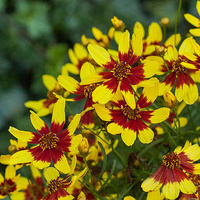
(25, 136)
(191, 19)
(10, 172)
(51, 173)
(87, 69)
(102, 112)
(38, 123)
(128, 136)
(159, 115)
(49, 81)
(114, 128)
(171, 40)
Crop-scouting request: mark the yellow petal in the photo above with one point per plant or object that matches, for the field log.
(114, 128)
(195, 32)
(146, 135)
(129, 98)
(10, 172)
(150, 68)
(4, 159)
(186, 46)
(102, 94)
(150, 184)
(25, 136)
(159, 115)
(68, 83)
(139, 29)
(137, 44)
(154, 33)
(128, 136)
(117, 36)
(92, 79)
(58, 116)
(87, 69)
(191, 19)
(80, 51)
(124, 43)
(51, 173)
(171, 54)
(40, 164)
(171, 40)
(187, 187)
(35, 172)
(152, 195)
(62, 165)
(75, 142)
(74, 123)
(198, 7)
(196, 46)
(99, 54)
(69, 67)
(171, 190)
(97, 33)
(49, 81)
(192, 94)
(23, 156)
(181, 92)
(72, 57)
(36, 121)
(102, 112)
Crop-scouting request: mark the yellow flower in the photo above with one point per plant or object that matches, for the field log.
(194, 21)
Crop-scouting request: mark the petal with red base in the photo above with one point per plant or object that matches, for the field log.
(128, 135)
(58, 116)
(101, 56)
(128, 93)
(155, 181)
(124, 46)
(167, 84)
(60, 161)
(39, 124)
(137, 45)
(105, 92)
(145, 134)
(114, 128)
(69, 83)
(25, 136)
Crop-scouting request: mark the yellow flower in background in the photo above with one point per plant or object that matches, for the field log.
(100, 38)
(78, 56)
(194, 21)
(44, 107)
(11, 184)
(57, 186)
(32, 189)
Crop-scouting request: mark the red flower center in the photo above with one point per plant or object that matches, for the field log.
(7, 187)
(177, 67)
(121, 70)
(195, 179)
(48, 141)
(88, 89)
(171, 160)
(130, 113)
(54, 185)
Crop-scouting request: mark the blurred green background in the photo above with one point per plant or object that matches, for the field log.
(35, 36)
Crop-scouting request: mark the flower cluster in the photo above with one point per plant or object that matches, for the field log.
(133, 113)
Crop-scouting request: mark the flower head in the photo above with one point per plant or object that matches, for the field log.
(171, 174)
(50, 144)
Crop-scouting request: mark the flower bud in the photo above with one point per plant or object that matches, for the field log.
(170, 99)
(12, 148)
(83, 146)
(160, 50)
(81, 196)
(117, 23)
(164, 21)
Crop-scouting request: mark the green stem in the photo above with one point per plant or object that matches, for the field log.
(169, 134)
(176, 23)
(179, 126)
(164, 33)
(190, 114)
(68, 109)
(9, 196)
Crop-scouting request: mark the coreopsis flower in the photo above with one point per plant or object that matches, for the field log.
(44, 107)
(82, 91)
(78, 57)
(11, 184)
(49, 144)
(57, 186)
(194, 21)
(131, 122)
(121, 75)
(178, 73)
(100, 38)
(32, 190)
(171, 174)
(13, 148)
